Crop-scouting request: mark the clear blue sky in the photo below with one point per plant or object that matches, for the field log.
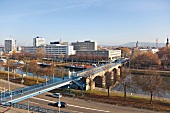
(111, 22)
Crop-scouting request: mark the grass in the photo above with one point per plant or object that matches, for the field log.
(115, 98)
(28, 80)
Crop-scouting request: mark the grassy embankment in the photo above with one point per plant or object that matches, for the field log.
(116, 98)
(28, 80)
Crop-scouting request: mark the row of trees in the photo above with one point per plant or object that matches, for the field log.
(32, 67)
(151, 83)
(40, 53)
(139, 59)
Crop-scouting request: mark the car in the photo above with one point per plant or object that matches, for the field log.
(56, 95)
(63, 104)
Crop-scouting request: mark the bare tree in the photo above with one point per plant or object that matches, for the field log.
(125, 80)
(108, 81)
(152, 83)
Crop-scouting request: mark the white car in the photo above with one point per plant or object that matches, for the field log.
(57, 95)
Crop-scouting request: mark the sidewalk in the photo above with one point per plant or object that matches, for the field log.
(14, 110)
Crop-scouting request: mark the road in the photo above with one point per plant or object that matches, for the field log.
(76, 105)
(82, 106)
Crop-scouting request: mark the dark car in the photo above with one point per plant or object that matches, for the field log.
(63, 104)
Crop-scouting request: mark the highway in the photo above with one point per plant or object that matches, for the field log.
(76, 105)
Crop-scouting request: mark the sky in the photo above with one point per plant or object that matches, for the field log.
(108, 22)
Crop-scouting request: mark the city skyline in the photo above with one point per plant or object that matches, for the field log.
(109, 22)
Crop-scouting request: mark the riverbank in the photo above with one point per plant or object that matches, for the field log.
(17, 78)
(117, 98)
(142, 71)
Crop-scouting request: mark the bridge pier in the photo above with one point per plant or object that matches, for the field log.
(90, 84)
(103, 81)
(118, 73)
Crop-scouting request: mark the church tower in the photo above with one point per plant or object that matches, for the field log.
(167, 43)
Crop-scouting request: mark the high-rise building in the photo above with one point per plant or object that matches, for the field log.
(38, 41)
(86, 45)
(10, 45)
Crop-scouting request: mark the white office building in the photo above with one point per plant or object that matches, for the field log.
(38, 41)
(86, 45)
(52, 49)
(109, 54)
(10, 45)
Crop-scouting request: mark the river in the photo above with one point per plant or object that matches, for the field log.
(138, 90)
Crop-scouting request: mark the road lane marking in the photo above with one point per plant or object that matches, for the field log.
(76, 111)
(88, 108)
(72, 105)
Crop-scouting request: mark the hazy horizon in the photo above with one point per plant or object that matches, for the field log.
(109, 22)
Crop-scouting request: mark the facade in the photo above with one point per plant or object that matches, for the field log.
(109, 54)
(86, 45)
(38, 41)
(153, 50)
(10, 45)
(52, 49)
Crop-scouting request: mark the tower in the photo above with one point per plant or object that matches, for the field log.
(156, 42)
(38, 41)
(10, 45)
(137, 44)
(167, 42)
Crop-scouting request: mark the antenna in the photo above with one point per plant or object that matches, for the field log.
(156, 42)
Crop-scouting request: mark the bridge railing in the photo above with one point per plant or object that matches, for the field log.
(7, 96)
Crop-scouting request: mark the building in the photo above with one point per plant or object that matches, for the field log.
(52, 49)
(153, 50)
(38, 41)
(10, 45)
(106, 54)
(86, 45)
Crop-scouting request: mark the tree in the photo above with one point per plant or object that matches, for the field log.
(151, 83)
(125, 52)
(125, 80)
(108, 81)
(13, 65)
(164, 55)
(40, 53)
(146, 60)
(89, 56)
(15, 55)
(33, 68)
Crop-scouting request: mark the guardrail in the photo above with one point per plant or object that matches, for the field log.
(35, 108)
(29, 91)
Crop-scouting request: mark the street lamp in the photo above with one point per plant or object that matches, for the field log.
(69, 89)
(8, 79)
(82, 90)
(28, 105)
(59, 105)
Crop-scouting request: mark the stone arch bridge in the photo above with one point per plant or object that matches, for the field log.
(96, 77)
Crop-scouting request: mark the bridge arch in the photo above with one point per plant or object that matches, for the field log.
(98, 81)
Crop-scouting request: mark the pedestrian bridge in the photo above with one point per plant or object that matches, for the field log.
(20, 94)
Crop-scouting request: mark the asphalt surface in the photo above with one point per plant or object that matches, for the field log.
(74, 105)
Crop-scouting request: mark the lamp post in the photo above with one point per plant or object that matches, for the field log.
(1, 95)
(8, 79)
(69, 89)
(82, 90)
(46, 79)
(28, 105)
(59, 105)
